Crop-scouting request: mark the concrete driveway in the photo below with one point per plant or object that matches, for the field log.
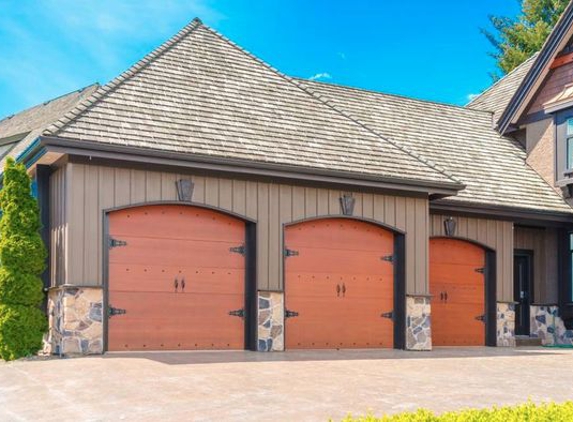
(290, 386)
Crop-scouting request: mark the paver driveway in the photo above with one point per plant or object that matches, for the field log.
(290, 386)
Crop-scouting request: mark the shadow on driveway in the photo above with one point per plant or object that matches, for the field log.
(240, 356)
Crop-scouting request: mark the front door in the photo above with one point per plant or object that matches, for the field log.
(522, 292)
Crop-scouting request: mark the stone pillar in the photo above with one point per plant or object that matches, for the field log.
(505, 324)
(546, 324)
(270, 332)
(418, 323)
(75, 318)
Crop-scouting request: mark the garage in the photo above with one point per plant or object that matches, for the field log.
(339, 285)
(176, 279)
(458, 289)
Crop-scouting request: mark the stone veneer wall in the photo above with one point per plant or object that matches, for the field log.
(270, 333)
(505, 324)
(546, 324)
(418, 323)
(75, 316)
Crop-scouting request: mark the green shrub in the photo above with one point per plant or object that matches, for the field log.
(21, 330)
(548, 412)
(22, 260)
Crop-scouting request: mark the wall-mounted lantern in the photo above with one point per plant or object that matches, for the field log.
(347, 204)
(184, 190)
(450, 226)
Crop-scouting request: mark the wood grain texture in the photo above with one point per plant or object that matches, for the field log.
(176, 278)
(339, 285)
(458, 292)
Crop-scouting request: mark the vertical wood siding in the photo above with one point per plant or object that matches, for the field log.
(543, 243)
(58, 227)
(496, 234)
(91, 189)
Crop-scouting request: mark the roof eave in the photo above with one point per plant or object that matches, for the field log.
(246, 167)
(553, 45)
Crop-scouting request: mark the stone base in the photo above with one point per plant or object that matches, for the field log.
(505, 324)
(75, 316)
(547, 325)
(270, 333)
(418, 323)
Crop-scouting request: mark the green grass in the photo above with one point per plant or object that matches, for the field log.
(529, 412)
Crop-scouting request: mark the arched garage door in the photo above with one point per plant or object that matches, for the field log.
(339, 285)
(173, 279)
(457, 286)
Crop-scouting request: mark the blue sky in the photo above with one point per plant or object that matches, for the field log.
(425, 49)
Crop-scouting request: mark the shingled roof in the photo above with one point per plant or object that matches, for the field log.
(201, 94)
(458, 139)
(497, 97)
(25, 126)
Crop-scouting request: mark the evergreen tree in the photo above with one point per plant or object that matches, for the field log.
(518, 39)
(22, 260)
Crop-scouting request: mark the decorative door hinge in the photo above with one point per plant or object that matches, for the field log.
(480, 270)
(238, 249)
(238, 313)
(111, 311)
(388, 258)
(114, 243)
(480, 318)
(290, 252)
(290, 314)
(389, 315)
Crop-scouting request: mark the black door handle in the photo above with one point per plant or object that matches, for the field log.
(176, 284)
(442, 296)
(446, 296)
(343, 290)
(338, 290)
(183, 284)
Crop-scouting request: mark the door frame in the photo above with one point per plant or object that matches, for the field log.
(250, 305)
(490, 290)
(529, 254)
(399, 262)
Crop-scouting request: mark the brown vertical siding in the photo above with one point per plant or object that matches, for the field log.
(495, 234)
(88, 190)
(543, 243)
(554, 86)
(58, 227)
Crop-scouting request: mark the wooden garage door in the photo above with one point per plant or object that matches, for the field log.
(458, 293)
(176, 279)
(339, 284)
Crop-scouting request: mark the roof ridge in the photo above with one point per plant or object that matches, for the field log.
(389, 94)
(496, 83)
(329, 104)
(112, 85)
(48, 101)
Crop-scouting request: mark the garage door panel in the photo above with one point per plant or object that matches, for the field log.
(458, 292)
(142, 277)
(339, 285)
(178, 222)
(149, 278)
(141, 250)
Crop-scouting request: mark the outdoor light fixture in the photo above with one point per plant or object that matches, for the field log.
(347, 203)
(184, 190)
(450, 226)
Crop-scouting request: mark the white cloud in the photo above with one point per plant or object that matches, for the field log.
(322, 75)
(341, 55)
(471, 97)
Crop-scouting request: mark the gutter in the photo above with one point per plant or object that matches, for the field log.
(244, 167)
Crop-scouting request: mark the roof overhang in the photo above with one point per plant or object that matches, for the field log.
(524, 216)
(556, 41)
(53, 148)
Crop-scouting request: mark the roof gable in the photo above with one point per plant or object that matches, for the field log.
(201, 94)
(540, 68)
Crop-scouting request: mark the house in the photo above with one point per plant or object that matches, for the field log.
(204, 200)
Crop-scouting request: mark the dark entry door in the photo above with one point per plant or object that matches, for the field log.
(522, 291)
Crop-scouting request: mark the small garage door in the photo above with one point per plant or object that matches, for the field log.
(458, 293)
(338, 284)
(175, 280)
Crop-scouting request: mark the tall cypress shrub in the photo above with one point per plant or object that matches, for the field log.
(22, 260)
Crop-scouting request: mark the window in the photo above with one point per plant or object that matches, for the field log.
(570, 269)
(569, 143)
